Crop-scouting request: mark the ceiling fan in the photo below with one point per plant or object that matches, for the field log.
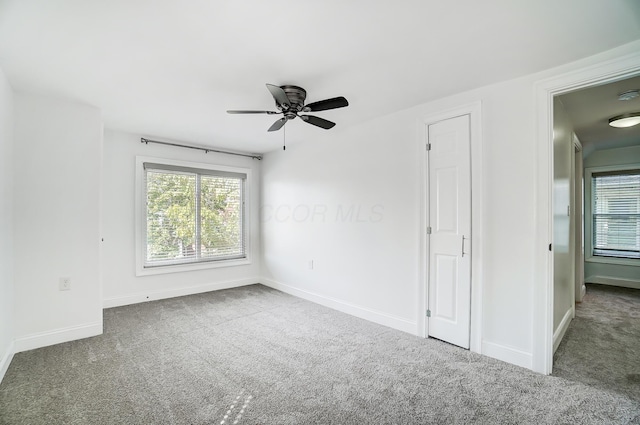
(290, 103)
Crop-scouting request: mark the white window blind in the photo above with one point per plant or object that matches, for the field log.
(616, 214)
(193, 215)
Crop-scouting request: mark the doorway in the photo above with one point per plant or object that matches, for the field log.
(614, 70)
(597, 345)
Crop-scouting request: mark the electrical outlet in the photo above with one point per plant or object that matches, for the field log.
(65, 283)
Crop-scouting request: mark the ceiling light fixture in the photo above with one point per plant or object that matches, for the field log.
(629, 94)
(625, 120)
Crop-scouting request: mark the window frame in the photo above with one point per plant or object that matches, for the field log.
(589, 204)
(141, 218)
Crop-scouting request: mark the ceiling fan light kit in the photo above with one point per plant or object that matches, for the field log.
(290, 103)
(625, 120)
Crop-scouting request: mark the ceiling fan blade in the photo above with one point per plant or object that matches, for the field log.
(323, 105)
(253, 112)
(278, 124)
(279, 95)
(317, 121)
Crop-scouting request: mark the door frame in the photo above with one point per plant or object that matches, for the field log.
(578, 225)
(607, 71)
(474, 111)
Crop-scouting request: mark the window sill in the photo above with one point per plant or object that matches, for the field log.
(180, 268)
(614, 260)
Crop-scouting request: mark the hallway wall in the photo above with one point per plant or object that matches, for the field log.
(7, 322)
(563, 249)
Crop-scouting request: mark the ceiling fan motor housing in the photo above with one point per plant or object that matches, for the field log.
(296, 96)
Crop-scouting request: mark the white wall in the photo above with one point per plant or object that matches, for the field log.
(619, 156)
(606, 271)
(6, 224)
(563, 256)
(350, 202)
(373, 264)
(57, 158)
(120, 283)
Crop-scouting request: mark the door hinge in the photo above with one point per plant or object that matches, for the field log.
(428, 146)
(428, 313)
(429, 230)
(550, 247)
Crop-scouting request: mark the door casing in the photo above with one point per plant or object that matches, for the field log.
(620, 68)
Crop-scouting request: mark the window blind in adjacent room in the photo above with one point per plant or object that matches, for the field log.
(616, 214)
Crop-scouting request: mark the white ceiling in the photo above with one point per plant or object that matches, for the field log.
(171, 69)
(590, 109)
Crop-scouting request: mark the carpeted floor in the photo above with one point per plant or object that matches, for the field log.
(254, 355)
(602, 345)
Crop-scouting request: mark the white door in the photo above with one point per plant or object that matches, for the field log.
(449, 295)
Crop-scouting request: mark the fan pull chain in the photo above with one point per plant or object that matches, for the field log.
(284, 137)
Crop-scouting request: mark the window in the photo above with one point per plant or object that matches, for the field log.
(616, 214)
(191, 215)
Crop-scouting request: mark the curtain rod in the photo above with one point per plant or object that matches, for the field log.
(206, 150)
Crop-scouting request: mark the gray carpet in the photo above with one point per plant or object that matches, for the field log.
(254, 355)
(602, 345)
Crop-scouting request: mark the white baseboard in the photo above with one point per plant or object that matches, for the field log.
(375, 316)
(175, 292)
(6, 360)
(57, 336)
(603, 280)
(562, 328)
(508, 354)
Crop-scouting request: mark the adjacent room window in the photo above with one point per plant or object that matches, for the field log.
(616, 214)
(192, 215)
